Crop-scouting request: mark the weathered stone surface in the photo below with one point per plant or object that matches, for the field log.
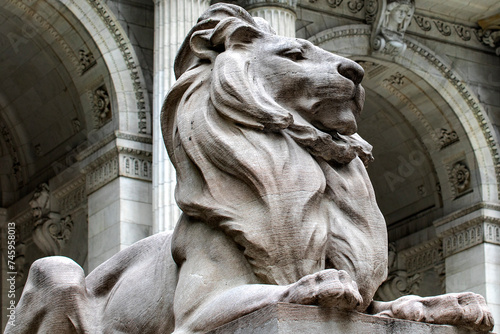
(284, 318)
(277, 203)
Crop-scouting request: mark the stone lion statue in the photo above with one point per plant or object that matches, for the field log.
(277, 205)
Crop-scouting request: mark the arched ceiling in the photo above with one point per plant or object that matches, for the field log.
(417, 139)
(41, 89)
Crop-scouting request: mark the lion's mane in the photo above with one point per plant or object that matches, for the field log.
(256, 171)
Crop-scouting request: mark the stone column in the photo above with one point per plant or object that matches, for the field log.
(173, 20)
(471, 247)
(280, 14)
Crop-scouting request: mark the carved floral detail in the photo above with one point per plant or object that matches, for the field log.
(118, 34)
(447, 138)
(51, 232)
(460, 178)
(334, 3)
(102, 106)
(87, 60)
(355, 6)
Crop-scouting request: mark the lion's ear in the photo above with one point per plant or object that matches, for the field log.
(235, 33)
(229, 33)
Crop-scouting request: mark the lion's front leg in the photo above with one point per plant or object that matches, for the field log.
(465, 309)
(217, 285)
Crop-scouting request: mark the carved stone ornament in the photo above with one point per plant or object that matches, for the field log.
(446, 138)
(460, 178)
(275, 207)
(389, 25)
(102, 106)
(399, 283)
(50, 231)
(87, 60)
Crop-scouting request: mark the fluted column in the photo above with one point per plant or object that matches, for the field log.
(280, 14)
(173, 20)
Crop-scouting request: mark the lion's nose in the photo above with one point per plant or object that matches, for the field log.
(351, 70)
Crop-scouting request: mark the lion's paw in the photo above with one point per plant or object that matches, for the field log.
(466, 309)
(329, 288)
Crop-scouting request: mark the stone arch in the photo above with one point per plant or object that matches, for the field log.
(121, 61)
(353, 41)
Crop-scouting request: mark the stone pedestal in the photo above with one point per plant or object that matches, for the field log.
(291, 318)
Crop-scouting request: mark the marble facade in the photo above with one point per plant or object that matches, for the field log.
(83, 83)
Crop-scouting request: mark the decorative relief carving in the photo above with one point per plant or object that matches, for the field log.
(443, 28)
(399, 282)
(492, 233)
(102, 174)
(87, 61)
(423, 257)
(135, 167)
(117, 33)
(471, 102)
(101, 106)
(463, 32)
(396, 79)
(447, 138)
(390, 25)
(334, 3)
(73, 200)
(51, 232)
(355, 6)
(483, 228)
(461, 240)
(460, 179)
(371, 8)
(422, 22)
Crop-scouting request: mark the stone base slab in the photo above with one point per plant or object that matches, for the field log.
(286, 318)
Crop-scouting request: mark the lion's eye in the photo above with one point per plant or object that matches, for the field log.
(294, 54)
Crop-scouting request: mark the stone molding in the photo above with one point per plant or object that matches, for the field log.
(473, 235)
(72, 195)
(423, 257)
(433, 28)
(469, 227)
(120, 160)
(102, 172)
(464, 212)
(128, 55)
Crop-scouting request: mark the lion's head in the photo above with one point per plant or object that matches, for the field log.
(258, 127)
